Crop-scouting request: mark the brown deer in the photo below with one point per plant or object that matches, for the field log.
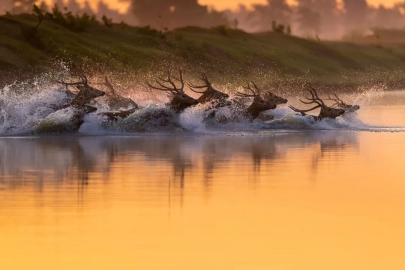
(179, 100)
(116, 101)
(78, 108)
(259, 104)
(270, 97)
(86, 93)
(326, 112)
(342, 105)
(210, 94)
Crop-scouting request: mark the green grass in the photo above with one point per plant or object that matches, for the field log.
(225, 54)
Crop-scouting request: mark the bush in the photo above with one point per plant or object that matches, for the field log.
(278, 28)
(148, 31)
(222, 29)
(73, 22)
(106, 21)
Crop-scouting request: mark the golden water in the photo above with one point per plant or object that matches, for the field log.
(297, 200)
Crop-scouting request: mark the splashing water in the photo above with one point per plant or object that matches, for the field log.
(24, 108)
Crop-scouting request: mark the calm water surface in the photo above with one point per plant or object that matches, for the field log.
(292, 200)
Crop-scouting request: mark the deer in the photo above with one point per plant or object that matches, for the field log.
(326, 112)
(117, 101)
(270, 97)
(77, 109)
(86, 93)
(210, 94)
(179, 100)
(259, 104)
(342, 105)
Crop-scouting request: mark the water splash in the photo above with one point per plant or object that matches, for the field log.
(25, 107)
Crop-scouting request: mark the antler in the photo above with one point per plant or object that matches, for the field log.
(82, 82)
(314, 98)
(303, 112)
(249, 87)
(337, 100)
(207, 84)
(163, 83)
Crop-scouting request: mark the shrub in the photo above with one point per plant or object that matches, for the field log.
(148, 31)
(278, 28)
(106, 21)
(73, 22)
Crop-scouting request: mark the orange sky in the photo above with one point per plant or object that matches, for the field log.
(122, 5)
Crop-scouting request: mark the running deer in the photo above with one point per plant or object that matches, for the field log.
(259, 104)
(86, 93)
(210, 94)
(326, 112)
(342, 105)
(273, 99)
(179, 100)
(116, 102)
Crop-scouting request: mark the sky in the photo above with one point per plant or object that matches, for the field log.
(122, 5)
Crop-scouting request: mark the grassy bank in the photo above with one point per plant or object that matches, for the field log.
(227, 55)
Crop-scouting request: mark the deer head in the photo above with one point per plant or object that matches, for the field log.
(258, 105)
(86, 93)
(270, 97)
(326, 112)
(210, 93)
(179, 100)
(342, 105)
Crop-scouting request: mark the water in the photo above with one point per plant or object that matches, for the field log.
(260, 198)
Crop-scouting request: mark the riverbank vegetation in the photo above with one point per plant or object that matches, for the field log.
(34, 43)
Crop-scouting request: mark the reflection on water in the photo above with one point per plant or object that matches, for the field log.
(297, 200)
(61, 160)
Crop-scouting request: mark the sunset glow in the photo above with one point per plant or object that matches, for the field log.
(122, 5)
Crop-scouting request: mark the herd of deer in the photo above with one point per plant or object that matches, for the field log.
(179, 100)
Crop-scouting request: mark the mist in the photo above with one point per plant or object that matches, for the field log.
(320, 19)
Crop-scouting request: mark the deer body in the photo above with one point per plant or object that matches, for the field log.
(326, 111)
(210, 94)
(258, 105)
(75, 110)
(179, 100)
(273, 99)
(342, 105)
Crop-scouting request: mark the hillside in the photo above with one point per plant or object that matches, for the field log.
(226, 54)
